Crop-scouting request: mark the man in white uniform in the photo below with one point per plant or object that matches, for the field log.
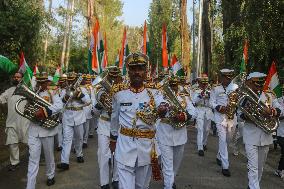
(204, 112)
(255, 139)
(131, 102)
(219, 103)
(171, 137)
(16, 125)
(104, 153)
(72, 120)
(39, 136)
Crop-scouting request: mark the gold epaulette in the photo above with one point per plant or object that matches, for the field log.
(118, 87)
(271, 92)
(152, 85)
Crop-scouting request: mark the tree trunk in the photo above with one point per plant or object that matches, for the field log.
(47, 34)
(69, 34)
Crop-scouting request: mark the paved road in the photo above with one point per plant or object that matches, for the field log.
(195, 173)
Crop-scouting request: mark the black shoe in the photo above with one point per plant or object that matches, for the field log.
(50, 182)
(91, 136)
(204, 147)
(114, 185)
(174, 186)
(226, 172)
(85, 145)
(200, 152)
(80, 159)
(63, 166)
(13, 167)
(59, 148)
(219, 162)
(105, 186)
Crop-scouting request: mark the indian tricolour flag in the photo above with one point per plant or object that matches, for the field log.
(56, 75)
(124, 52)
(25, 70)
(36, 71)
(176, 66)
(272, 81)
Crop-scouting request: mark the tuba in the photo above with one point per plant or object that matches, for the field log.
(104, 88)
(254, 109)
(174, 104)
(35, 102)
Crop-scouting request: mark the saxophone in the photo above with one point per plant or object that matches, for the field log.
(35, 102)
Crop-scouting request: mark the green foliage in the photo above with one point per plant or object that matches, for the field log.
(163, 12)
(20, 24)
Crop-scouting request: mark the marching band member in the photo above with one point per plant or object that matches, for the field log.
(86, 86)
(72, 119)
(255, 139)
(219, 102)
(171, 140)
(93, 121)
(103, 131)
(204, 112)
(61, 90)
(16, 125)
(39, 136)
(131, 101)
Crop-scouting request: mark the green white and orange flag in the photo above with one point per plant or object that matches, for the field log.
(105, 57)
(98, 49)
(176, 66)
(145, 43)
(272, 81)
(56, 75)
(36, 71)
(165, 59)
(124, 52)
(25, 70)
(90, 52)
(245, 58)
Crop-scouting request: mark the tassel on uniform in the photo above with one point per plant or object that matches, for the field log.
(156, 172)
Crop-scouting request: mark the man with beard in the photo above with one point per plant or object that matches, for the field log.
(131, 103)
(16, 125)
(219, 100)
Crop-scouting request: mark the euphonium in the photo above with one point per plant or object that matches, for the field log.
(101, 81)
(35, 102)
(175, 105)
(254, 109)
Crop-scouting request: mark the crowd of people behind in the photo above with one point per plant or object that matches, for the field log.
(141, 123)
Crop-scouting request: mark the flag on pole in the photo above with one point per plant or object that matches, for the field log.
(124, 52)
(90, 52)
(95, 55)
(105, 57)
(25, 70)
(177, 67)
(146, 44)
(7, 66)
(272, 81)
(245, 58)
(100, 49)
(36, 71)
(56, 75)
(164, 48)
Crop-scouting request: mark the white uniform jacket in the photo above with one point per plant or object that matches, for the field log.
(75, 117)
(125, 104)
(252, 134)
(167, 134)
(38, 131)
(203, 109)
(219, 97)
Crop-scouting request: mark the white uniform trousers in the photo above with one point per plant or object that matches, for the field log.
(93, 125)
(224, 136)
(256, 159)
(14, 153)
(203, 128)
(68, 133)
(134, 177)
(86, 126)
(35, 144)
(171, 159)
(104, 154)
(60, 135)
